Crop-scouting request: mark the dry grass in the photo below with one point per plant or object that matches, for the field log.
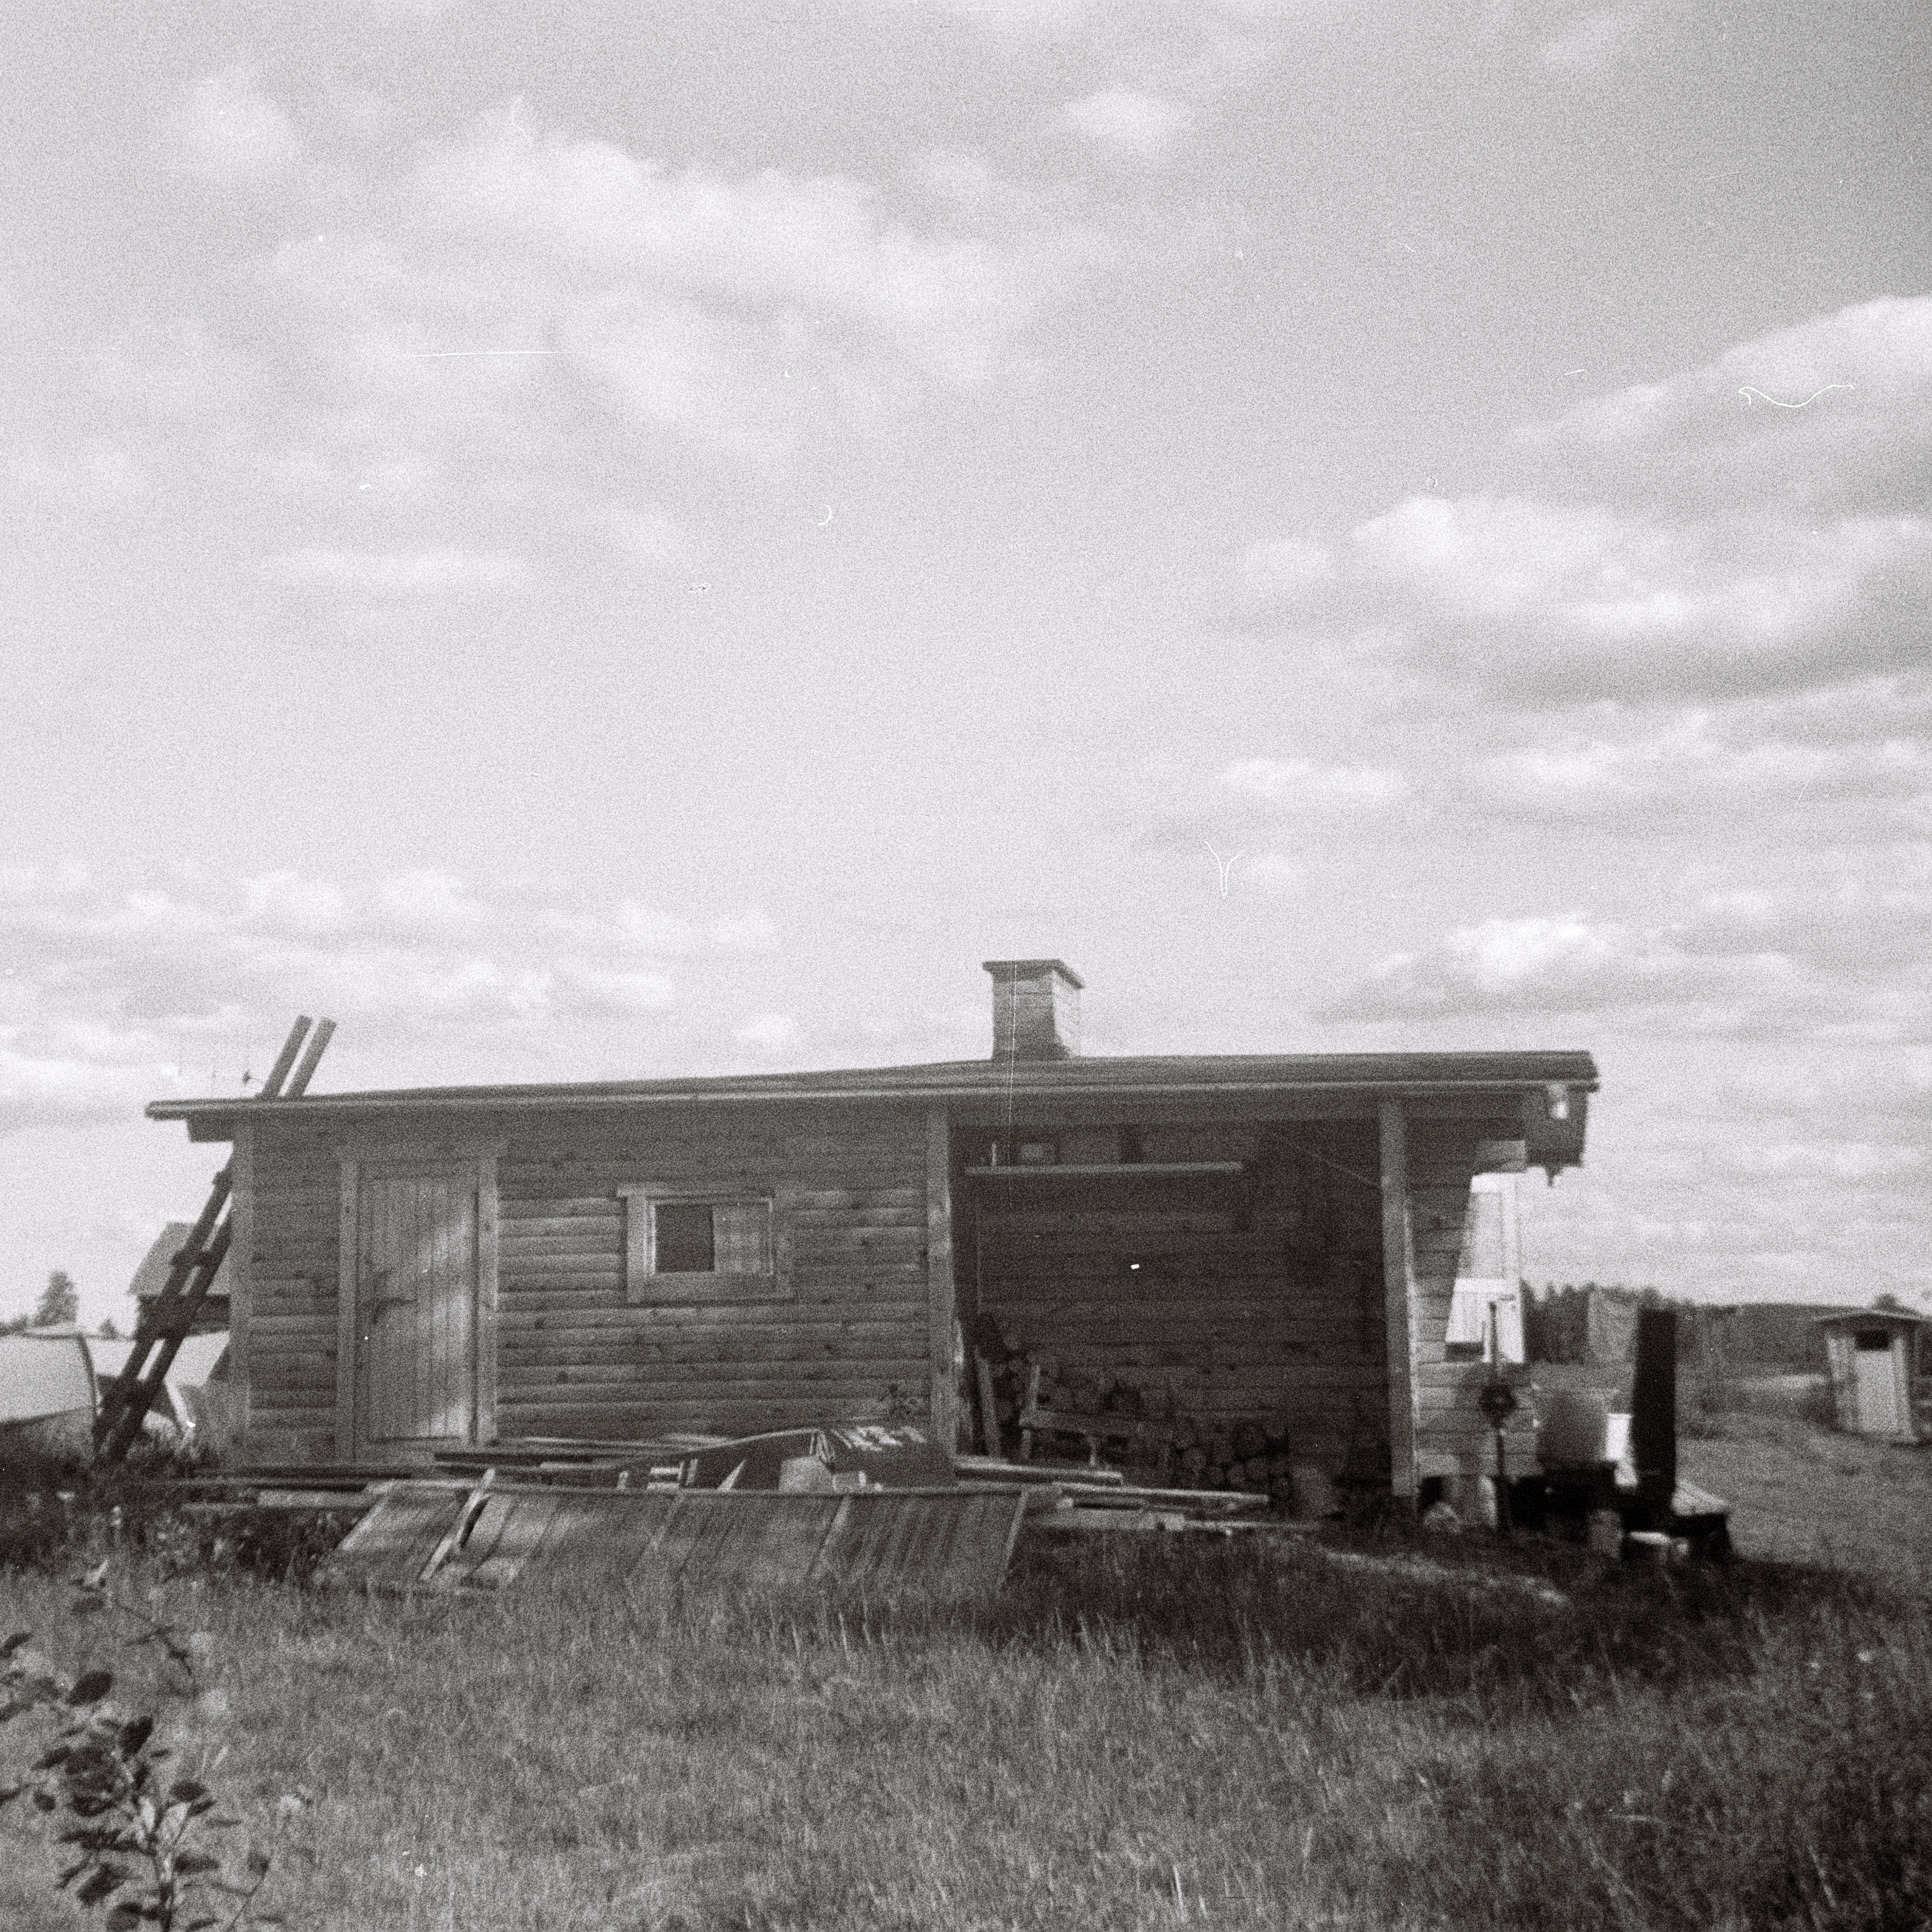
(1386, 1734)
(1801, 1494)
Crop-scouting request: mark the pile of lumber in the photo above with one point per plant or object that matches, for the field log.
(1058, 1408)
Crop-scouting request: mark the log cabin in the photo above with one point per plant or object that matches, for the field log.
(1269, 1238)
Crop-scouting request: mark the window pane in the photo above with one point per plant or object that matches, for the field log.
(743, 1237)
(685, 1245)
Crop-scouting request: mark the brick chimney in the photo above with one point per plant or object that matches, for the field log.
(1036, 1009)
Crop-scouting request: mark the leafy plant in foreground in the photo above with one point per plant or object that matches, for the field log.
(141, 1836)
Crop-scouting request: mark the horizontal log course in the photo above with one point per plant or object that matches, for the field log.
(283, 1401)
(563, 1233)
(513, 1258)
(895, 1344)
(523, 1314)
(696, 1392)
(816, 1200)
(592, 1381)
(867, 1275)
(282, 1330)
(641, 1421)
(545, 1207)
(837, 1220)
(534, 1297)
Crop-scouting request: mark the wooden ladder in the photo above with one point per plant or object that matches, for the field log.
(162, 1323)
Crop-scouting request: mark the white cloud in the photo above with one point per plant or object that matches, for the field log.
(1256, 799)
(815, 255)
(1846, 957)
(1305, 785)
(95, 476)
(439, 572)
(773, 1034)
(1838, 406)
(467, 300)
(229, 131)
(1545, 600)
(1125, 121)
(116, 994)
(1760, 524)
(1826, 1160)
(1593, 40)
(1539, 963)
(1692, 761)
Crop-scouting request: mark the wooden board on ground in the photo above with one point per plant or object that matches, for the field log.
(426, 1536)
(394, 1542)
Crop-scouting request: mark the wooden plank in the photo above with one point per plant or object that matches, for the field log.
(525, 1210)
(699, 1339)
(638, 1382)
(240, 1270)
(561, 1264)
(1397, 1277)
(348, 1313)
(483, 1317)
(942, 1305)
(397, 1537)
(695, 1352)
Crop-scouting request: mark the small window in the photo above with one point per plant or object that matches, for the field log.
(684, 1248)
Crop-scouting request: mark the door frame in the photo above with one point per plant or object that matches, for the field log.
(480, 1169)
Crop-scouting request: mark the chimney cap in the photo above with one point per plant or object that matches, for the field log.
(1032, 969)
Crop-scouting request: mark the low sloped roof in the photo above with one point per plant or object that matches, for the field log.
(965, 1080)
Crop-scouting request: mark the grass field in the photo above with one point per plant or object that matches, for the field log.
(1375, 1732)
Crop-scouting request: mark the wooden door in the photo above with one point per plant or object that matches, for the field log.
(1877, 1385)
(416, 1302)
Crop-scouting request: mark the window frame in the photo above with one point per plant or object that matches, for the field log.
(646, 1286)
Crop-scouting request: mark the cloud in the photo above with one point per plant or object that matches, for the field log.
(1548, 601)
(1692, 762)
(1146, 127)
(228, 130)
(1594, 40)
(1563, 963)
(817, 255)
(1760, 524)
(1253, 802)
(115, 994)
(440, 572)
(1845, 958)
(1835, 408)
(93, 475)
(471, 298)
(1292, 785)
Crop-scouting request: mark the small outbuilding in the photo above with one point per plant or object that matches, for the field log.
(1257, 1239)
(1880, 1360)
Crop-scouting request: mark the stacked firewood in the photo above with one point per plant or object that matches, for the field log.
(1186, 1451)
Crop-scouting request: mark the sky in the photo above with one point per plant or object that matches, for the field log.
(650, 538)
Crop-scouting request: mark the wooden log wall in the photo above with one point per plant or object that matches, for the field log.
(285, 1333)
(850, 1338)
(1452, 1437)
(849, 1341)
(1262, 1305)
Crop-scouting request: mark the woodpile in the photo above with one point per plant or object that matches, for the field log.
(1068, 1411)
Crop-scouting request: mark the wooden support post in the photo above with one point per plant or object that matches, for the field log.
(239, 1270)
(1027, 1409)
(989, 1413)
(1398, 1299)
(942, 1314)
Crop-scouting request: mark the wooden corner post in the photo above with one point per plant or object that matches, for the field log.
(1399, 1298)
(942, 1313)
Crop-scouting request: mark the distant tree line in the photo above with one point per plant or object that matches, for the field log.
(59, 1307)
(1596, 1322)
